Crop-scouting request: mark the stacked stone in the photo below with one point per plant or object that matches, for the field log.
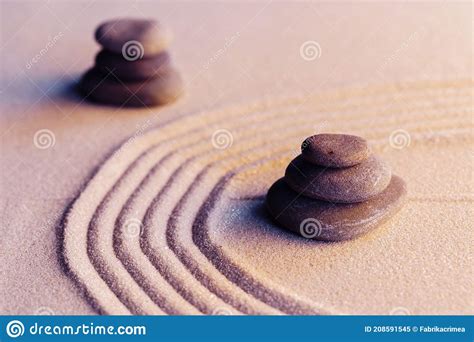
(133, 68)
(336, 189)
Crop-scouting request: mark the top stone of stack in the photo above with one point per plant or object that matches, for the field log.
(335, 150)
(115, 34)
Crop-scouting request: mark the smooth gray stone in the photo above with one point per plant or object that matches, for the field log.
(335, 150)
(340, 185)
(105, 88)
(319, 220)
(141, 69)
(114, 34)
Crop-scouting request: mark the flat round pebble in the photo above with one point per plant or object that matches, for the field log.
(121, 35)
(124, 69)
(346, 185)
(320, 220)
(335, 150)
(105, 88)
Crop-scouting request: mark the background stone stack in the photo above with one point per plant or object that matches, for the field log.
(133, 68)
(335, 190)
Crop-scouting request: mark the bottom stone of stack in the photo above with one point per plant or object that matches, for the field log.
(106, 88)
(328, 221)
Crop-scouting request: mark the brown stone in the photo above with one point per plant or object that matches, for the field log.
(107, 89)
(126, 70)
(326, 221)
(335, 150)
(340, 185)
(134, 38)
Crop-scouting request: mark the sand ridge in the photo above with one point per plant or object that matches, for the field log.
(165, 185)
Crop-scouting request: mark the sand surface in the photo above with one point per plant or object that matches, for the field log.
(159, 210)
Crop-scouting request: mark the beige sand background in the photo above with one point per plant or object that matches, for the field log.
(234, 55)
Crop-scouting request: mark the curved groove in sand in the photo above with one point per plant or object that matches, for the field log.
(285, 303)
(74, 247)
(127, 250)
(143, 269)
(207, 306)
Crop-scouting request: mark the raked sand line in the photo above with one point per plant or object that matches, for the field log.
(129, 250)
(103, 175)
(154, 245)
(103, 255)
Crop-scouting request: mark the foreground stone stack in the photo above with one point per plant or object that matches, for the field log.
(133, 68)
(336, 189)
